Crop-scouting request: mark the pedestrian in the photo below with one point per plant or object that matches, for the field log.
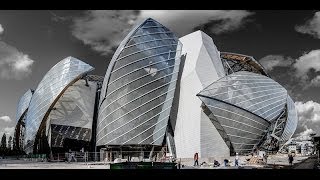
(265, 156)
(216, 163)
(196, 158)
(290, 159)
(226, 161)
(236, 160)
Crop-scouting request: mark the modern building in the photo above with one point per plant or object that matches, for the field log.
(193, 130)
(161, 93)
(138, 90)
(21, 115)
(61, 111)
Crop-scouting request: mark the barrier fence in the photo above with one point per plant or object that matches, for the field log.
(106, 156)
(114, 156)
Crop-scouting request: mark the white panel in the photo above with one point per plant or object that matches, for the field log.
(213, 53)
(198, 72)
(187, 130)
(205, 68)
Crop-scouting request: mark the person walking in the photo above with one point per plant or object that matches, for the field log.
(196, 158)
(290, 159)
(236, 161)
(265, 157)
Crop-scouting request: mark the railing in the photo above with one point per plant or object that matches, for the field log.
(112, 156)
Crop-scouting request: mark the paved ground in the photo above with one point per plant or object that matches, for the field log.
(274, 161)
(310, 163)
(21, 164)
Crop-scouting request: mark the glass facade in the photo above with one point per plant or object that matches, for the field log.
(58, 78)
(20, 118)
(292, 120)
(23, 104)
(244, 129)
(72, 115)
(139, 86)
(247, 106)
(253, 92)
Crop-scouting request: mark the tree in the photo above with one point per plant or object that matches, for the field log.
(10, 143)
(4, 141)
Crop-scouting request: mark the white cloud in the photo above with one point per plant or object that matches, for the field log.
(1, 29)
(13, 63)
(104, 30)
(302, 67)
(309, 119)
(271, 61)
(315, 81)
(9, 131)
(309, 111)
(312, 26)
(184, 21)
(305, 135)
(306, 62)
(5, 118)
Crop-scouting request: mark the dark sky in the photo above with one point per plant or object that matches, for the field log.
(33, 41)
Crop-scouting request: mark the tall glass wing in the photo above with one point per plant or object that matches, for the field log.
(57, 79)
(23, 104)
(139, 86)
(292, 120)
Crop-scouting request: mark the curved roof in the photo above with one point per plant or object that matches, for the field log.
(57, 79)
(253, 92)
(245, 59)
(23, 104)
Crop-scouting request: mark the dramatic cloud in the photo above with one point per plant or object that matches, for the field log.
(306, 68)
(305, 135)
(309, 111)
(309, 119)
(13, 63)
(184, 22)
(9, 131)
(104, 30)
(307, 62)
(271, 61)
(1, 29)
(5, 118)
(6, 126)
(57, 18)
(315, 81)
(312, 26)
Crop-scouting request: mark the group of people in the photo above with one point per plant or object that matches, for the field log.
(236, 161)
(216, 163)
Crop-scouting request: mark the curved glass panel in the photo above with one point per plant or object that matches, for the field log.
(23, 104)
(139, 86)
(253, 92)
(72, 115)
(244, 129)
(292, 120)
(53, 83)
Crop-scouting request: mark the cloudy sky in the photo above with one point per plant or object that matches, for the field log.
(287, 43)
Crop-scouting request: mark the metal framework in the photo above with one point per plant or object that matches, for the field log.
(233, 62)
